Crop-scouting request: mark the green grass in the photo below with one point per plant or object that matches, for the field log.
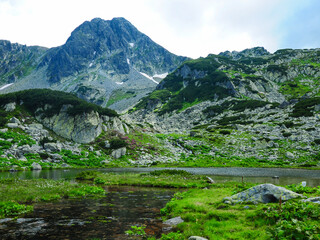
(119, 95)
(16, 191)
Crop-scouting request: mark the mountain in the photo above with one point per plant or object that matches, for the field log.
(104, 62)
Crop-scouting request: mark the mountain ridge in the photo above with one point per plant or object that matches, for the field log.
(101, 58)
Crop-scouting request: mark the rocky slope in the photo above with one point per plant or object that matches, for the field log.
(105, 62)
(248, 105)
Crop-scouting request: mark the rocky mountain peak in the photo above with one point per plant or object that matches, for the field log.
(250, 52)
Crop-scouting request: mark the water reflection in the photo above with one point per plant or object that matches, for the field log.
(106, 218)
(255, 175)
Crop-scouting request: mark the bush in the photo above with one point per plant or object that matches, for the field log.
(225, 132)
(87, 175)
(304, 107)
(170, 172)
(116, 143)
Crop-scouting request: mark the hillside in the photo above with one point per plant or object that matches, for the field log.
(248, 105)
(105, 62)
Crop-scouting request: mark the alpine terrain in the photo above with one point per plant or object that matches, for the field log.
(109, 63)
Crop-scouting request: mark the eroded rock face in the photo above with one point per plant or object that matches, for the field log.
(83, 128)
(264, 193)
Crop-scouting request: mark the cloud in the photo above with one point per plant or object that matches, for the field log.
(185, 27)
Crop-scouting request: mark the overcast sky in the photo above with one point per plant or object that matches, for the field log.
(191, 28)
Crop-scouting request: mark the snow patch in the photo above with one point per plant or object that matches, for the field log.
(131, 44)
(5, 86)
(128, 61)
(119, 83)
(147, 76)
(162, 76)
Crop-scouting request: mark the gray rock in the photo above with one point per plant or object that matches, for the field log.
(289, 155)
(37, 126)
(174, 221)
(65, 165)
(264, 193)
(10, 107)
(118, 153)
(107, 144)
(105, 162)
(196, 238)
(14, 120)
(12, 125)
(314, 200)
(36, 166)
(53, 147)
(4, 130)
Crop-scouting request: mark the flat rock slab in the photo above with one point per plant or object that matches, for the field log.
(264, 193)
(314, 200)
(196, 238)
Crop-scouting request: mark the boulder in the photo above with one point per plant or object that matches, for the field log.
(10, 107)
(289, 155)
(12, 125)
(314, 200)
(118, 153)
(196, 238)
(36, 166)
(14, 120)
(173, 221)
(53, 147)
(264, 193)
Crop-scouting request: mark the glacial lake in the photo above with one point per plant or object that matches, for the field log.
(278, 176)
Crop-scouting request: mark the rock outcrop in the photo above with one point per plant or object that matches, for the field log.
(264, 193)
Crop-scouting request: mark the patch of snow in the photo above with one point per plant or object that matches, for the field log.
(162, 76)
(119, 83)
(147, 76)
(128, 61)
(5, 86)
(90, 65)
(131, 44)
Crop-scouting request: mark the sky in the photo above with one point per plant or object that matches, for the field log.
(190, 28)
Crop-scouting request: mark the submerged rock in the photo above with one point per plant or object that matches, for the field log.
(264, 193)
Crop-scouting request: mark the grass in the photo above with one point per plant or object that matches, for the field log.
(205, 214)
(17, 196)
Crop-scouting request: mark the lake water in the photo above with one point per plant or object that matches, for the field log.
(255, 175)
(103, 218)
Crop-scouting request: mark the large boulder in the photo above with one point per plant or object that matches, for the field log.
(264, 193)
(82, 128)
(174, 221)
(118, 153)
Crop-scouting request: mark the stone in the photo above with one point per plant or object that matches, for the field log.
(53, 147)
(105, 162)
(314, 200)
(65, 165)
(98, 153)
(14, 120)
(12, 125)
(118, 153)
(303, 183)
(23, 159)
(174, 221)
(4, 130)
(264, 193)
(196, 238)
(289, 155)
(36, 126)
(10, 107)
(36, 166)
(107, 144)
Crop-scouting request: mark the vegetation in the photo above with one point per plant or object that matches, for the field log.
(37, 98)
(304, 107)
(15, 193)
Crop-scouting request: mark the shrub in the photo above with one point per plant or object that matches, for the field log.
(225, 132)
(116, 143)
(304, 107)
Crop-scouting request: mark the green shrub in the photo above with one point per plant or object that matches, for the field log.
(170, 172)
(116, 143)
(304, 107)
(8, 209)
(225, 132)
